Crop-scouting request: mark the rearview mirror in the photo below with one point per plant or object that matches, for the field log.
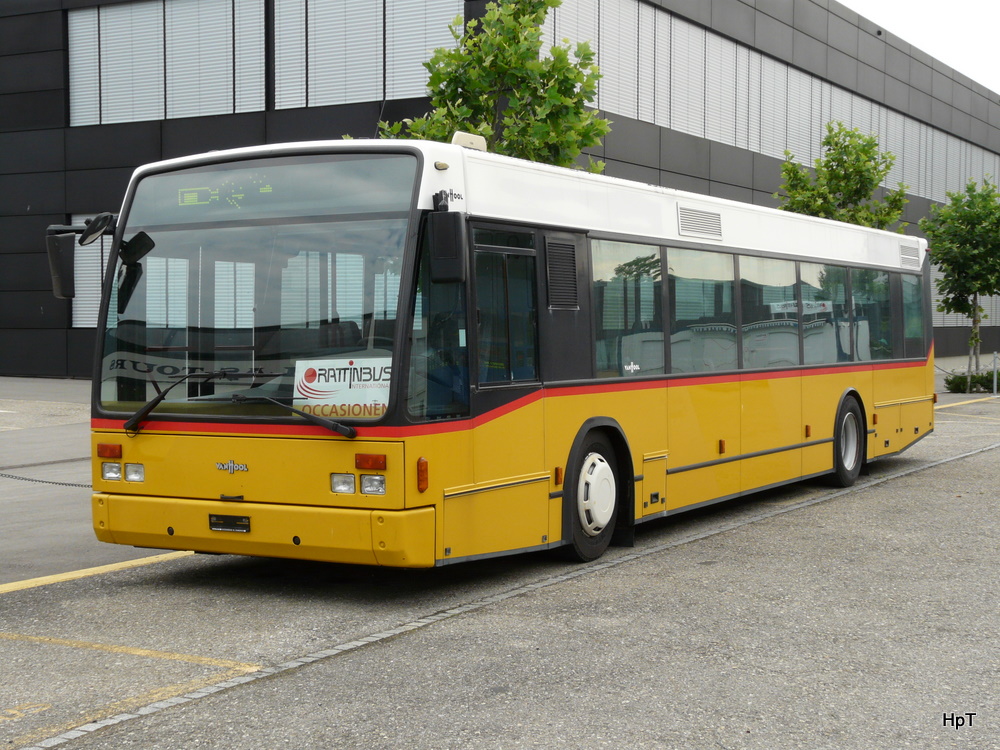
(96, 227)
(135, 249)
(61, 249)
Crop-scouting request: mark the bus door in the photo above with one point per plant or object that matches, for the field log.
(507, 505)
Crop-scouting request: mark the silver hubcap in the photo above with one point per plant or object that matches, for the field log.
(596, 494)
(850, 439)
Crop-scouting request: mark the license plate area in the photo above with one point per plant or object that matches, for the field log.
(238, 524)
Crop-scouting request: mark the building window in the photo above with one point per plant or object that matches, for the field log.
(160, 59)
(342, 51)
(89, 263)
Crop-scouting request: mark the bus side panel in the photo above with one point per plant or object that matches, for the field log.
(509, 446)
(506, 505)
(704, 428)
(642, 415)
(496, 520)
(821, 395)
(640, 412)
(449, 464)
(916, 420)
(771, 423)
(905, 411)
(886, 438)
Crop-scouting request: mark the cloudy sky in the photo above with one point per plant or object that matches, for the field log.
(964, 34)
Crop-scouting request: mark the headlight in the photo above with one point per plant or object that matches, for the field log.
(372, 484)
(342, 483)
(135, 473)
(111, 472)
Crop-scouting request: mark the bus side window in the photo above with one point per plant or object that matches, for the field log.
(872, 304)
(702, 311)
(826, 324)
(628, 295)
(913, 317)
(770, 322)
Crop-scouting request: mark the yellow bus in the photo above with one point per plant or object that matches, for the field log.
(414, 354)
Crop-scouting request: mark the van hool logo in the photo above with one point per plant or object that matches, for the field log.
(231, 466)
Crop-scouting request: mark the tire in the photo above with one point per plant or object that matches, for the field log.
(593, 494)
(848, 443)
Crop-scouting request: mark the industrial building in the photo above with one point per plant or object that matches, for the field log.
(704, 95)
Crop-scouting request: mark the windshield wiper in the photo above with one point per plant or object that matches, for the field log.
(341, 429)
(132, 424)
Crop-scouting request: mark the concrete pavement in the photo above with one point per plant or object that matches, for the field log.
(803, 618)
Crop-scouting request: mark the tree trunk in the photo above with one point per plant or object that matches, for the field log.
(974, 342)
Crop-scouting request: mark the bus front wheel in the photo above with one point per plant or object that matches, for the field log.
(594, 494)
(848, 443)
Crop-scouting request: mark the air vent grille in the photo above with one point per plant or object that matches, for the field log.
(909, 255)
(561, 269)
(695, 222)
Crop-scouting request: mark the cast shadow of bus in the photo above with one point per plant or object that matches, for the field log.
(375, 587)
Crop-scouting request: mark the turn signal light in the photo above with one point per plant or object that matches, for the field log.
(422, 471)
(109, 450)
(369, 461)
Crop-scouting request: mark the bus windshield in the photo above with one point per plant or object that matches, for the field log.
(264, 283)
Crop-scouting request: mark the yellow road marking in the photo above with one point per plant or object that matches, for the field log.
(128, 705)
(241, 667)
(963, 403)
(6, 588)
(229, 668)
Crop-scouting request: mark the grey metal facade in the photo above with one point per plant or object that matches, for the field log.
(51, 171)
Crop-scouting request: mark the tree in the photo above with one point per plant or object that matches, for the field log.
(964, 236)
(844, 182)
(495, 83)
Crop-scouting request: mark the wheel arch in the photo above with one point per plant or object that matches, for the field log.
(613, 431)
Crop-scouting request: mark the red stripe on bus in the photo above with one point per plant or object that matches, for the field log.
(460, 425)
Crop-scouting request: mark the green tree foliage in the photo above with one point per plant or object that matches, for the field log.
(964, 236)
(843, 181)
(496, 83)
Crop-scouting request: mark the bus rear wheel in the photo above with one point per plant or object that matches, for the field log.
(848, 443)
(593, 497)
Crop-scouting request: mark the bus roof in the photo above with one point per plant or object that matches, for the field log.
(492, 186)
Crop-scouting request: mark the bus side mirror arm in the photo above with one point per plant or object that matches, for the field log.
(447, 243)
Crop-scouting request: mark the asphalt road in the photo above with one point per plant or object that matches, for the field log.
(802, 618)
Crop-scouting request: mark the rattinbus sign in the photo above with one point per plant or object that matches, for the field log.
(354, 388)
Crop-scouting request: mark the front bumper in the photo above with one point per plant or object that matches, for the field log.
(403, 538)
